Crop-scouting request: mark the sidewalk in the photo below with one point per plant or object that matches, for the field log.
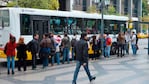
(129, 69)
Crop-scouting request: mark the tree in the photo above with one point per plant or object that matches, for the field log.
(5, 1)
(145, 7)
(92, 9)
(41, 4)
(111, 9)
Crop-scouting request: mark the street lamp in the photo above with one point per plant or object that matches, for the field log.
(103, 3)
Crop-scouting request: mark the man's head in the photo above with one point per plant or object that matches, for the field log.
(36, 36)
(84, 36)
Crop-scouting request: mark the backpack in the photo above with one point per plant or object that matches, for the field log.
(137, 39)
(108, 41)
(29, 46)
(73, 41)
(5, 48)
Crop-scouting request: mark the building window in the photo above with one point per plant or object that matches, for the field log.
(77, 2)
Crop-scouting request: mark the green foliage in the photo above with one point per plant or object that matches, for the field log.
(92, 9)
(11, 4)
(40, 4)
(145, 7)
(111, 10)
(53, 4)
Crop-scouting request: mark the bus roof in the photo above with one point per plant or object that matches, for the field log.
(74, 13)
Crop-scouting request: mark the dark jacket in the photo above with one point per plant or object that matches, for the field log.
(21, 51)
(66, 42)
(95, 45)
(81, 50)
(34, 46)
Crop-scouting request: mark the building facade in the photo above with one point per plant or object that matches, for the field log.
(131, 8)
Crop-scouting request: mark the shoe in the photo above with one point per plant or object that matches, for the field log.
(93, 78)
(8, 72)
(12, 72)
(19, 69)
(74, 83)
(33, 68)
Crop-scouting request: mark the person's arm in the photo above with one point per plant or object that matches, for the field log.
(85, 53)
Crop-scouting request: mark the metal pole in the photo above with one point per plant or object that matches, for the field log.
(148, 40)
(102, 27)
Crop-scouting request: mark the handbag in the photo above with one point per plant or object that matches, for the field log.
(137, 47)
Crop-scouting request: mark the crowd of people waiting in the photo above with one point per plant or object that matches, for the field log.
(55, 47)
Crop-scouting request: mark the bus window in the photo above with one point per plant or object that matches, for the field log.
(57, 25)
(79, 25)
(25, 25)
(4, 18)
(90, 26)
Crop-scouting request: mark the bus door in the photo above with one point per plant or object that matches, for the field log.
(40, 25)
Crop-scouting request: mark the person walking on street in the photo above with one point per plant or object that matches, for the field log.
(33, 47)
(81, 52)
(10, 53)
(21, 54)
(45, 50)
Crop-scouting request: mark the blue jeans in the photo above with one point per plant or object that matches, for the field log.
(134, 49)
(10, 60)
(66, 54)
(73, 53)
(45, 62)
(127, 48)
(58, 57)
(78, 65)
(107, 51)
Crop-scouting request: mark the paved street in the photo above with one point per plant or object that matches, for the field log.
(127, 70)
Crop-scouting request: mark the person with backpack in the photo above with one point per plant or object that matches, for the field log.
(66, 47)
(73, 42)
(108, 41)
(134, 43)
(10, 53)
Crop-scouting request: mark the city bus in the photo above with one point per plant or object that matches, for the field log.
(24, 22)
